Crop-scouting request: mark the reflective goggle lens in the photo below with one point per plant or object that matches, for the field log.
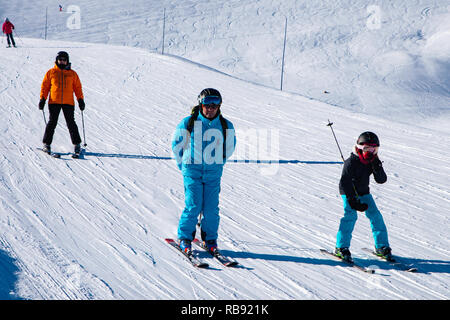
(368, 148)
(209, 100)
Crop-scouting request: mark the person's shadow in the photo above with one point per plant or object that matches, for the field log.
(149, 157)
(8, 277)
(277, 257)
(423, 265)
(125, 156)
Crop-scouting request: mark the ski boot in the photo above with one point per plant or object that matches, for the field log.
(47, 149)
(385, 253)
(186, 246)
(211, 246)
(76, 151)
(344, 254)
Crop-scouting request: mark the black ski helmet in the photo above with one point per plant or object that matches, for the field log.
(368, 138)
(207, 93)
(62, 54)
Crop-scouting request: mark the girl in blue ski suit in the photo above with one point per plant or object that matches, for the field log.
(200, 157)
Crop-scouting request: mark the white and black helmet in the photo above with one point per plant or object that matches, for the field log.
(368, 138)
(210, 95)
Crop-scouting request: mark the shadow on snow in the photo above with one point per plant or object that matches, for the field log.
(8, 277)
(145, 157)
(424, 265)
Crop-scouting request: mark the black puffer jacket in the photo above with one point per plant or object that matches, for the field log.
(357, 174)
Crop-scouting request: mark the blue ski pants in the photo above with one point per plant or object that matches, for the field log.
(347, 223)
(201, 195)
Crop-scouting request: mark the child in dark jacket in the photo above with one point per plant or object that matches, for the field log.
(355, 192)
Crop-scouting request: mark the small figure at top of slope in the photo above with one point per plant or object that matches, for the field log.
(7, 29)
(61, 82)
(201, 144)
(355, 192)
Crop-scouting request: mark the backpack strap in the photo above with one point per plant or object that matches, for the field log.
(224, 123)
(194, 115)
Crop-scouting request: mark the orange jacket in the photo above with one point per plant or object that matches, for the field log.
(61, 84)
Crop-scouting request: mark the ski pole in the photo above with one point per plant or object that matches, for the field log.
(45, 120)
(199, 222)
(84, 133)
(330, 124)
(15, 32)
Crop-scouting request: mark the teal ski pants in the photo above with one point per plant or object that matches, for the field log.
(347, 223)
(201, 196)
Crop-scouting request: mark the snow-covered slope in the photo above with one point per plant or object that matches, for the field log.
(388, 58)
(93, 228)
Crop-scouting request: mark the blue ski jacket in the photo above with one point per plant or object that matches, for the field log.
(200, 154)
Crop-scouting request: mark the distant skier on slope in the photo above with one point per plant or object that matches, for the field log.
(201, 151)
(354, 189)
(7, 29)
(61, 82)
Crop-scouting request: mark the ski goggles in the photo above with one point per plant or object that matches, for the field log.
(372, 148)
(211, 100)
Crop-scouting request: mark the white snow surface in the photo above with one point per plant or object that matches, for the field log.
(94, 228)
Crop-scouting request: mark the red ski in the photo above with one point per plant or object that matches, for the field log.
(192, 256)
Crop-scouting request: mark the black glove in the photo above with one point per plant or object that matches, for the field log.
(376, 164)
(357, 205)
(41, 104)
(81, 104)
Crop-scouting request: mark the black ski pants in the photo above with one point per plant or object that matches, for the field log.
(69, 115)
(8, 37)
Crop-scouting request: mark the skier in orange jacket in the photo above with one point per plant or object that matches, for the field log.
(61, 82)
